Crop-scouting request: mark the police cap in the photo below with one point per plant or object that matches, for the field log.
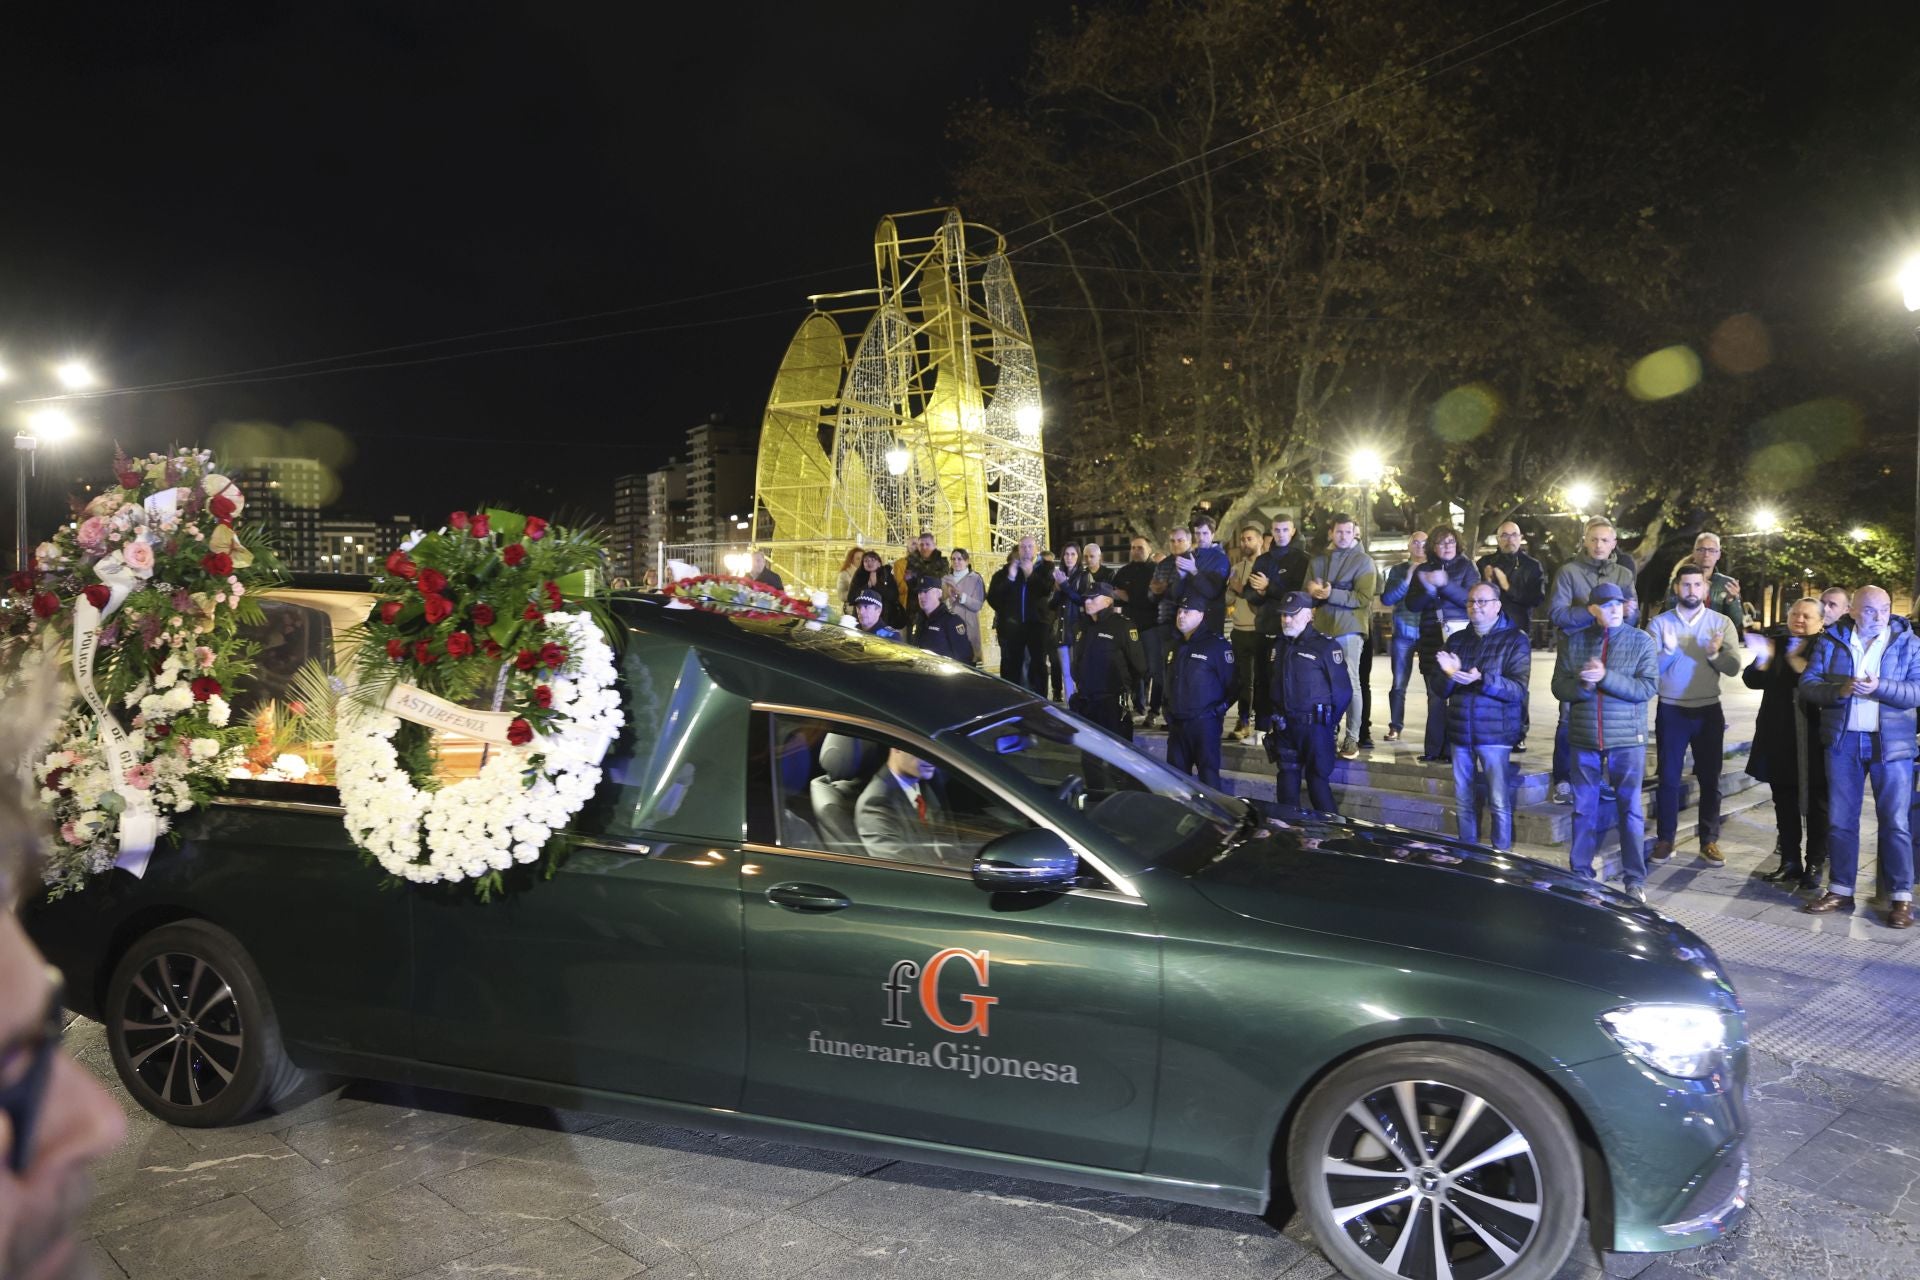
(1295, 601)
(1101, 589)
(869, 597)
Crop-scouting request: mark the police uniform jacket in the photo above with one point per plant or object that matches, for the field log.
(1107, 657)
(1310, 670)
(941, 632)
(1200, 679)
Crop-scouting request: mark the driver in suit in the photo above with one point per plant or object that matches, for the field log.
(899, 816)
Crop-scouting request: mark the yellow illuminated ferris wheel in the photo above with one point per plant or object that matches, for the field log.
(912, 405)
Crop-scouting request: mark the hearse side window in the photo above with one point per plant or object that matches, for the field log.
(291, 635)
(849, 790)
(675, 768)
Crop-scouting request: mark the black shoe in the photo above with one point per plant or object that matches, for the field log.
(1366, 744)
(1809, 880)
(1784, 872)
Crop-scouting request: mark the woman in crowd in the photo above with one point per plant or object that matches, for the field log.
(849, 567)
(874, 574)
(965, 593)
(1787, 754)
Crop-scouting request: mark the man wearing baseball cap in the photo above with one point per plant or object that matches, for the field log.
(1107, 660)
(1309, 693)
(1200, 684)
(1606, 674)
(934, 627)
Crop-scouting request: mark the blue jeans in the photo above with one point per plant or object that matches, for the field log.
(1622, 768)
(1852, 760)
(1493, 761)
(1675, 730)
(1350, 647)
(1402, 672)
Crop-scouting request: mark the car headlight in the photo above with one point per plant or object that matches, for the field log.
(1684, 1040)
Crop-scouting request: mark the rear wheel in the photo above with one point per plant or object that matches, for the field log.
(192, 1032)
(1437, 1160)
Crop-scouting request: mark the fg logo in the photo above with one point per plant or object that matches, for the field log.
(908, 976)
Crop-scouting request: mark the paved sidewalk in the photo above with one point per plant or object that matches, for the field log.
(372, 1182)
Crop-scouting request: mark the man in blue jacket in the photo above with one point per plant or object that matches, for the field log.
(1406, 630)
(1200, 685)
(1605, 675)
(1865, 678)
(1485, 670)
(1203, 576)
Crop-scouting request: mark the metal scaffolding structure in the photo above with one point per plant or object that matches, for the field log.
(912, 405)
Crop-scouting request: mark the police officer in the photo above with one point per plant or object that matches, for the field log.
(1309, 694)
(1107, 660)
(936, 629)
(867, 607)
(1201, 685)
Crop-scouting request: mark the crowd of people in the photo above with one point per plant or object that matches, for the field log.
(1212, 642)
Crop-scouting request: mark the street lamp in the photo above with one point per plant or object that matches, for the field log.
(1859, 535)
(1765, 520)
(1367, 468)
(897, 460)
(74, 375)
(1910, 291)
(1028, 418)
(1580, 495)
(52, 426)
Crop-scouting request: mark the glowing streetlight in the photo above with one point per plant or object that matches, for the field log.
(51, 425)
(1766, 520)
(1366, 466)
(1028, 418)
(898, 460)
(74, 375)
(6, 374)
(1580, 496)
(1860, 535)
(1910, 282)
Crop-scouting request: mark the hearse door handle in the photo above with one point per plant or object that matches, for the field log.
(808, 897)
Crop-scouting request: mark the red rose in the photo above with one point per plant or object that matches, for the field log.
(54, 779)
(532, 612)
(205, 687)
(396, 648)
(46, 604)
(222, 508)
(400, 566)
(389, 611)
(482, 615)
(98, 595)
(423, 653)
(519, 733)
(459, 645)
(514, 554)
(219, 564)
(438, 607)
(432, 582)
(21, 582)
(527, 660)
(542, 696)
(552, 655)
(458, 520)
(482, 528)
(492, 649)
(553, 595)
(536, 528)
(160, 730)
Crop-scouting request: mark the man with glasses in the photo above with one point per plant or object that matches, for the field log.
(1484, 671)
(54, 1116)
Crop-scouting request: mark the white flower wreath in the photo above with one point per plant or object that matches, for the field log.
(508, 811)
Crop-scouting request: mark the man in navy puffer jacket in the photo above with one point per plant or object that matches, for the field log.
(1485, 670)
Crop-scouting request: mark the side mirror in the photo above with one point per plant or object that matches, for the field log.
(1026, 861)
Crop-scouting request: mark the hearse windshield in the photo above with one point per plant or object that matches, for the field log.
(1057, 757)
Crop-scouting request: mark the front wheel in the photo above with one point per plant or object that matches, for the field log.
(1437, 1160)
(192, 1032)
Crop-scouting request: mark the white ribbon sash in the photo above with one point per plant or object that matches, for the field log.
(412, 703)
(139, 821)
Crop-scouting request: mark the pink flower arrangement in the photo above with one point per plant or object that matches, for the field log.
(92, 534)
(138, 556)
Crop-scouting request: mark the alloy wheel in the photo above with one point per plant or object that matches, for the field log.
(180, 1029)
(1430, 1180)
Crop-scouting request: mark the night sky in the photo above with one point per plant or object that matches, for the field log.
(191, 190)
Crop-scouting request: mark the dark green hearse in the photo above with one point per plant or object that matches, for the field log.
(838, 892)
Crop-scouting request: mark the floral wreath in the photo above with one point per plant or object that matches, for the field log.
(501, 610)
(148, 586)
(747, 598)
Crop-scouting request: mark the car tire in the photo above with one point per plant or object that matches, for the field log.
(1497, 1182)
(191, 1029)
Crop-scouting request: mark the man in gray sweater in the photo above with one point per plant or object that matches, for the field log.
(1567, 607)
(1343, 582)
(1695, 646)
